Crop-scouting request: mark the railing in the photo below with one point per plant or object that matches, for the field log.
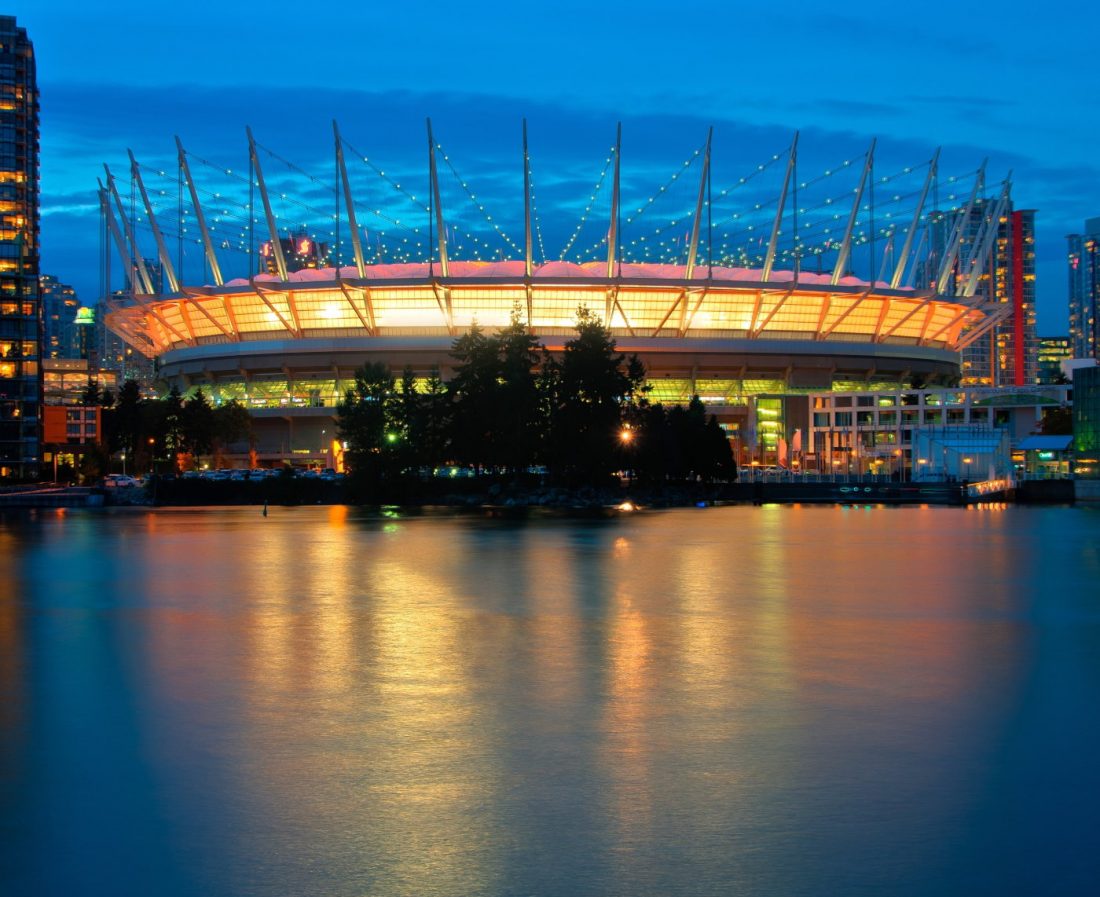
(749, 474)
(989, 487)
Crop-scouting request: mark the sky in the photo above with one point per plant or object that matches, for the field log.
(1011, 82)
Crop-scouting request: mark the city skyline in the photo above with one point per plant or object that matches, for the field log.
(89, 115)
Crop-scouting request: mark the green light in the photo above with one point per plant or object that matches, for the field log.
(391, 437)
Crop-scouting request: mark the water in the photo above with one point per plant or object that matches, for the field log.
(751, 701)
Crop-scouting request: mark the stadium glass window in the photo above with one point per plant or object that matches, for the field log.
(865, 401)
(933, 417)
(887, 401)
(910, 398)
(821, 419)
(956, 415)
(843, 401)
(887, 418)
(844, 418)
(865, 418)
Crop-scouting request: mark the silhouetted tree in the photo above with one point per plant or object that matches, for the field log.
(430, 427)
(231, 424)
(594, 389)
(168, 419)
(514, 430)
(1057, 422)
(128, 428)
(472, 391)
(363, 417)
(197, 423)
(91, 394)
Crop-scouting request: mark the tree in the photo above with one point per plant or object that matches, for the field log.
(363, 417)
(165, 420)
(472, 392)
(1057, 422)
(231, 424)
(197, 423)
(430, 428)
(404, 412)
(719, 461)
(595, 388)
(91, 394)
(495, 396)
(514, 422)
(127, 418)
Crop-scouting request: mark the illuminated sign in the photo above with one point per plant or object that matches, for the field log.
(85, 316)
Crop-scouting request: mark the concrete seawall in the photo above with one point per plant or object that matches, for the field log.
(75, 497)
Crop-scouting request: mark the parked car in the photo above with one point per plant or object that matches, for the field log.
(119, 480)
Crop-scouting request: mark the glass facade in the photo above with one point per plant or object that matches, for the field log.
(1008, 355)
(1084, 290)
(20, 376)
(1053, 350)
(1086, 421)
(59, 307)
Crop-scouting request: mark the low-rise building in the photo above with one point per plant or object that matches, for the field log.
(925, 433)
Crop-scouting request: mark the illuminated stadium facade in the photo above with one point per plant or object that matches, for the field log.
(287, 343)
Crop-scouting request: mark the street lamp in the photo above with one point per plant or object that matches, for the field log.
(626, 437)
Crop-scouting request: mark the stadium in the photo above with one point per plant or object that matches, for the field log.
(286, 341)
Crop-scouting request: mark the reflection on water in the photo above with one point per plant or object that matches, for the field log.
(775, 700)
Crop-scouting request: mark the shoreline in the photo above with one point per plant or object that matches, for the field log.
(517, 499)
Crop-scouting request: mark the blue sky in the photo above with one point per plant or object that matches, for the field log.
(1010, 81)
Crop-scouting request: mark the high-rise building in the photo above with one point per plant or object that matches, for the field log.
(20, 376)
(1084, 290)
(1009, 354)
(1053, 350)
(300, 251)
(59, 308)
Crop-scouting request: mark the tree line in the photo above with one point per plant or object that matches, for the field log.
(155, 433)
(511, 408)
